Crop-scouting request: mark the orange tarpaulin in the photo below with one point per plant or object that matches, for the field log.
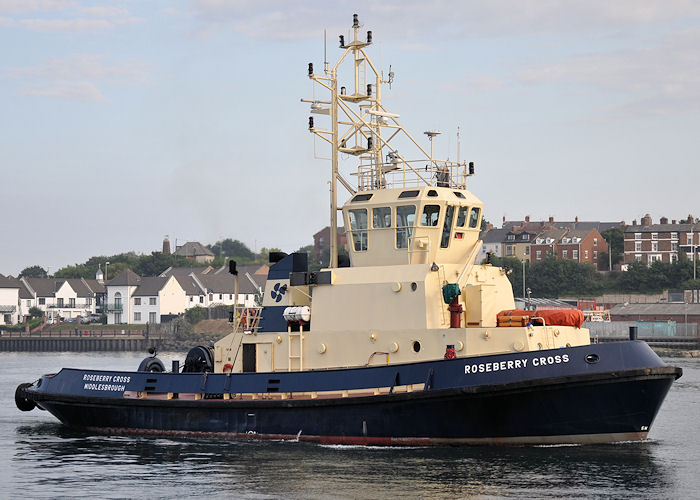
(560, 317)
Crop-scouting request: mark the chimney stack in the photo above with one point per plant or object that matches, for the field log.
(576, 219)
(646, 220)
(663, 220)
(527, 218)
(673, 221)
(551, 219)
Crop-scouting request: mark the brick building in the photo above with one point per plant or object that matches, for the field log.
(649, 242)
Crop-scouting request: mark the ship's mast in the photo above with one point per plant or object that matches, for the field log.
(362, 117)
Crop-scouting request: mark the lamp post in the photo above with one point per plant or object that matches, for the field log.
(523, 279)
(106, 264)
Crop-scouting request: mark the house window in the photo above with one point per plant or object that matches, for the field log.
(527, 250)
(595, 242)
(201, 299)
(151, 301)
(474, 218)
(230, 296)
(118, 300)
(461, 216)
(637, 236)
(71, 302)
(565, 254)
(88, 301)
(511, 237)
(42, 301)
(654, 258)
(674, 236)
(585, 254)
(510, 250)
(137, 317)
(358, 227)
(151, 317)
(595, 254)
(689, 238)
(191, 298)
(431, 214)
(447, 227)
(637, 246)
(654, 236)
(117, 318)
(674, 246)
(137, 301)
(405, 217)
(381, 217)
(674, 257)
(539, 254)
(59, 302)
(654, 246)
(221, 296)
(638, 257)
(29, 303)
(574, 254)
(211, 297)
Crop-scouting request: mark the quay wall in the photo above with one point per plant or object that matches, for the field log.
(87, 341)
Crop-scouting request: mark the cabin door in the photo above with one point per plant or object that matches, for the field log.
(264, 358)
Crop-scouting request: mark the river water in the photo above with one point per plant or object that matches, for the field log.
(40, 458)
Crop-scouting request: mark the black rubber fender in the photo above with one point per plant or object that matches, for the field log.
(21, 400)
(153, 365)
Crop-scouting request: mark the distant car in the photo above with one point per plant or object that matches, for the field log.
(70, 320)
(95, 318)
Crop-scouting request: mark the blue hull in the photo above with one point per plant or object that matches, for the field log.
(597, 393)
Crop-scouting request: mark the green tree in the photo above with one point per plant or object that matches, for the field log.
(194, 315)
(35, 312)
(235, 249)
(33, 272)
(616, 245)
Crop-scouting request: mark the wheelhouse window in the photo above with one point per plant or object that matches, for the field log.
(431, 214)
(461, 216)
(474, 217)
(447, 227)
(381, 217)
(405, 217)
(358, 227)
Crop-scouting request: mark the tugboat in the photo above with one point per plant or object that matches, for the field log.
(406, 340)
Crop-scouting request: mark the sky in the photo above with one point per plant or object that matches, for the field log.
(122, 122)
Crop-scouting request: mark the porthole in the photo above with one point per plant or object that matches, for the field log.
(414, 286)
(416, 346)
(592, 358)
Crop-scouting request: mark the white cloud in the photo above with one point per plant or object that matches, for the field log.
(661, 79)
(69, 90)
(76, 77)
(22, 6)
(411, 19)
(99, 11)
(84, 66)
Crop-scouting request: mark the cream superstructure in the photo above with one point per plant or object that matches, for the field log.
(412, 228)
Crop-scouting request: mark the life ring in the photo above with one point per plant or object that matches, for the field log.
(228, 368)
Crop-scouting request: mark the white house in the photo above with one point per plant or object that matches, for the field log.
(67, 299)
(119, 292)
(9, 300)
(156, 296)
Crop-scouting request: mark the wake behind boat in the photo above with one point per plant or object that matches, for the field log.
(403, 341)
